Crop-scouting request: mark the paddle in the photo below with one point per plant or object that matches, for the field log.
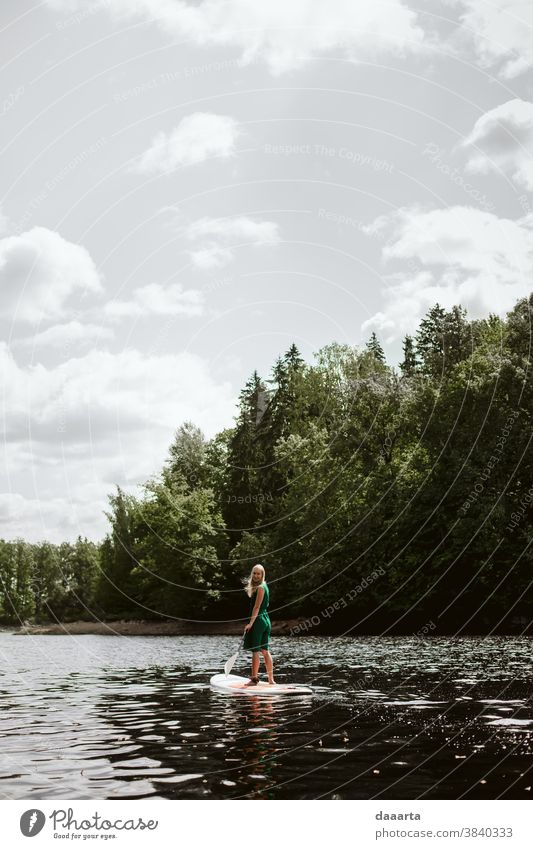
(228, 666)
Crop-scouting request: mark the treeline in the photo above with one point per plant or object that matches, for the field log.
(43, 582)
(335, 471)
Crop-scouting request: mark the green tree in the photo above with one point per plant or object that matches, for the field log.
(187, 460)
(373, 345)
(409, 363)
(282, 416)
(430, 342)
(85, 566)
(46, 577)
(519, 330)
(117, 589)
(245, 458)
(177, 554)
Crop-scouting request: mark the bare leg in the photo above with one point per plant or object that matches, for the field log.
(269, 663)
(255, 665)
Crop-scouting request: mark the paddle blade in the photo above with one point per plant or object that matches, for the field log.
(230, 663)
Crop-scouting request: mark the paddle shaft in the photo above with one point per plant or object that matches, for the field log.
(232, 660)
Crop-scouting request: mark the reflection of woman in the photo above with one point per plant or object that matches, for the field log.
(257, 632)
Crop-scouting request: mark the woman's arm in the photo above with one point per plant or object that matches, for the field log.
(260, 593)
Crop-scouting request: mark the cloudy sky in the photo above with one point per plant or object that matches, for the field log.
(189, 187)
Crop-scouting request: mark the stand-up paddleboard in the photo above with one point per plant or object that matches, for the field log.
(235, 684)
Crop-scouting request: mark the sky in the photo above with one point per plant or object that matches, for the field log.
(187, 188)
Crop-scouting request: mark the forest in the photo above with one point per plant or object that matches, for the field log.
(396, 496)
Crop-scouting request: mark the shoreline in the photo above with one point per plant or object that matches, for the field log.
(234, 627)
(146, 628)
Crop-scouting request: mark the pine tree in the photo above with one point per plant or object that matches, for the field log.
(456, 337)
(430, 342)
(293, 359)
(373, 345)
(409, 364)
(284, 412)
(245, 459)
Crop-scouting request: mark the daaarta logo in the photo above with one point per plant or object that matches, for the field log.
(31, 822)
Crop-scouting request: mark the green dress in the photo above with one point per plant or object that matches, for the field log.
(259, 634)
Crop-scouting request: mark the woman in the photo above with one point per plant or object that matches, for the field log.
(257, 632)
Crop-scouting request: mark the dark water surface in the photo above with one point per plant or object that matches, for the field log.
(93, 717)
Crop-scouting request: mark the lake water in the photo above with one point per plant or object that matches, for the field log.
(93, 717)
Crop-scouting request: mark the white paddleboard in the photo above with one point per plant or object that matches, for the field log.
(235, 684)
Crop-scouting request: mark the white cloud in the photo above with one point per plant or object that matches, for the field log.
(407, 298)
(458, 255)
(285, 35)
(95, 397)
(214, 256)
(234, 228)
(502, 33)
(503, 139)
(78, 428)
(196, 138)
(156, 299)
(33, 519)
(214, 238)
(66, 335)
(39, 270)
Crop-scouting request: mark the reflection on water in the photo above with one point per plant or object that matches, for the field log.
(125, 717)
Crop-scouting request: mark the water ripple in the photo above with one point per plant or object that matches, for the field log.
(131, 717)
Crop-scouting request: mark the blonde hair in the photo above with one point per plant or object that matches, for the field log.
(250, 584)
